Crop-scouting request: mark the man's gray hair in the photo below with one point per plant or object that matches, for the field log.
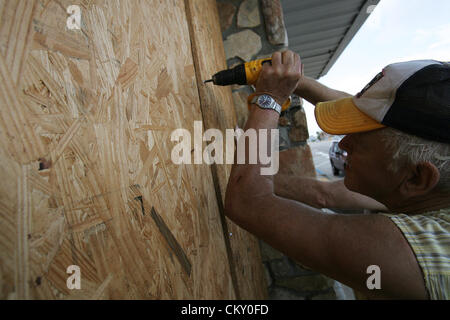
(410, 150)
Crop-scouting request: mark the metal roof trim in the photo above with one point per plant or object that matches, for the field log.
(355, 26)
(320, 30)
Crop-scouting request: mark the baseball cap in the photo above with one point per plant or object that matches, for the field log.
(413, 97)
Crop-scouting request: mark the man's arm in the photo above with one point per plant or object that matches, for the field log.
(315, 92)
(323, 194)
(340, 246)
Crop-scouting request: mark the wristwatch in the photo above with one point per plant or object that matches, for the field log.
(265, 101)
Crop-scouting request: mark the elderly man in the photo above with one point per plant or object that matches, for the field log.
(398, 145)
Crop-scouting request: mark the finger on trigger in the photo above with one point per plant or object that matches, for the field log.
(266, 67)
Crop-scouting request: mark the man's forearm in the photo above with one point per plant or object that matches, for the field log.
(339, 197)
(323, 194)
(314, 92)
(302, 189)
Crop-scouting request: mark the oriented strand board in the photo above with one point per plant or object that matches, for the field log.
(218, 112)
(87, 179)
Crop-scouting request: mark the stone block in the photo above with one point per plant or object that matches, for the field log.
(284, 121)
(244, 44)
(274, 21)
(306, 283)
(226, 14)
(297, 161)
(299, 131)
(283, 268)
(268, 253)
(325, 296)
(284, 141)
(284, 294)
(264, 56)
(301, 269)
(343, 292)
(248, 15)
(298, 134)
(299, 118)
(267, 274)
(296, 101)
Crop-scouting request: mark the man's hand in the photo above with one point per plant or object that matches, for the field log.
(282, 77)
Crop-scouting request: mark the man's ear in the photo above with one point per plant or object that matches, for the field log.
(421, 179)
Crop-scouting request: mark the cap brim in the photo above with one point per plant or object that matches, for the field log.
(343, 117)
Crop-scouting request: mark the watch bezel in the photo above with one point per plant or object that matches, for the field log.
(265, 101)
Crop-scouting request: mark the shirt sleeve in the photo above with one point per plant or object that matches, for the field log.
(429, 237)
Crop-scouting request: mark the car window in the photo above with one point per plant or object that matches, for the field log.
(335, 147)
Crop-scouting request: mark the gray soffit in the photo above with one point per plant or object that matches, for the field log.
(319, 30)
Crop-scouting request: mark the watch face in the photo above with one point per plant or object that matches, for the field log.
(264, 101)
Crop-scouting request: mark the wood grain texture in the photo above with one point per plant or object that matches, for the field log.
(85, 123)
(218, 112)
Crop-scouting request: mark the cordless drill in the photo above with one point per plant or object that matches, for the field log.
(245, 73)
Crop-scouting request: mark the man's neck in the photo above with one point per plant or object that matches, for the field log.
(421, 204)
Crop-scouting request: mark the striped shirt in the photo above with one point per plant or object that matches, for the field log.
(428, 235)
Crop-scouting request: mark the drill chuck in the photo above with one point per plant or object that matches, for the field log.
(246, 73)
(230, 76)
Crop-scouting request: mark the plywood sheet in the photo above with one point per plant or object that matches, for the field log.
(85, 124)
(218, 112)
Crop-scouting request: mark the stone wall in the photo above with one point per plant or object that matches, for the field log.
(251, 30)
(254, 29)
(288, 280)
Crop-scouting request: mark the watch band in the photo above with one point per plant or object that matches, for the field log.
(285, 105)
(265, 101)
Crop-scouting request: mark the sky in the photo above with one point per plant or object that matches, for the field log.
(396, 30)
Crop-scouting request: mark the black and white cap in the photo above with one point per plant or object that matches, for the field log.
(413, 97)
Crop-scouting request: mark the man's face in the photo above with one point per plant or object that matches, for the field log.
(366, 167)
